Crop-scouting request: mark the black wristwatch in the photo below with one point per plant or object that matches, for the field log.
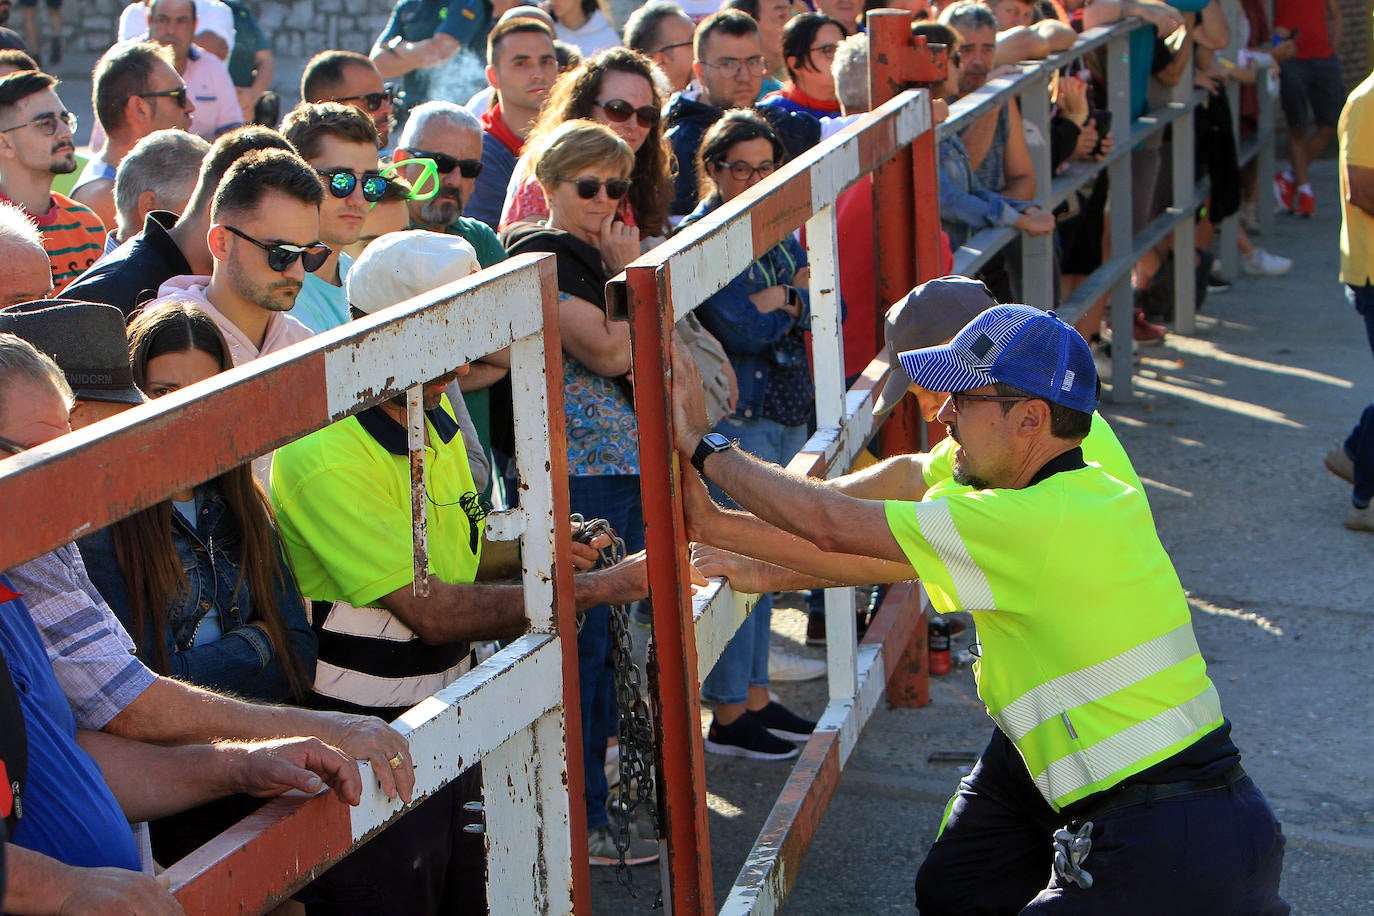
(709, 445)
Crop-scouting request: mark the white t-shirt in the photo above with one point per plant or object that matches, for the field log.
(211, 16)
(596, 35)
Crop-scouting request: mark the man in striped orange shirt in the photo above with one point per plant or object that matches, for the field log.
(36, 143)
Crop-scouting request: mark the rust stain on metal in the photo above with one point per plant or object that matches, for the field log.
(900, 628)
(419, 519)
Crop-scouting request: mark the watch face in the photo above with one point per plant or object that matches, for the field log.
(716, 440)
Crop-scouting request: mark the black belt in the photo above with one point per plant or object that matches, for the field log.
(1144, 793)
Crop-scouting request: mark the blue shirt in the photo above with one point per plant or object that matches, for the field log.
(69, 812)
(320, 305)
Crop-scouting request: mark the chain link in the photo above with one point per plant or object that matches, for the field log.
(635, 790)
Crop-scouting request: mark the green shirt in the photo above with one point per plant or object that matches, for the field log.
(342, 500)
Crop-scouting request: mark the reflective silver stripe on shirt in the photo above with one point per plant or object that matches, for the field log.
(1112, 755)
(971, 587)
(382, 692)
(1069, 691)
(369, 622)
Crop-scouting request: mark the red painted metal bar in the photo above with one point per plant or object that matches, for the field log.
(673, 668)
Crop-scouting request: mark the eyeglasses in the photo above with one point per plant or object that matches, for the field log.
(372, 101)
(341, 184)
(743, 171)
(47, 123)
(827, 51)
(423, 187)
(468, 168)
(588, 188)
(178, 95)
(280, 256)
(956, 397)
(14, 448)
(673, 47)
(618, 111)
(730, 67)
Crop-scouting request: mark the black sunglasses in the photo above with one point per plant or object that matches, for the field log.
(280, 256)
(618, 111)
(178, 95)
(588, 188)
(372, 101)
(341, 184)
(468, 168)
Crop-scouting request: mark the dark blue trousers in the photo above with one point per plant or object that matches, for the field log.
(1215, 852)
(1359, 445)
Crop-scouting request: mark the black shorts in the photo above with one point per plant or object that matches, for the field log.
(1311, 82)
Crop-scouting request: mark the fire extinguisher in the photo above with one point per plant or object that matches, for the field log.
(938, 636)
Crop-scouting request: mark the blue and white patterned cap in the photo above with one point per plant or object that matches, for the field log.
(1017, 345)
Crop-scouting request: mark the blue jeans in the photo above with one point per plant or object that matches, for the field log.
(616, 499)
(1359, 445)
(744, 663)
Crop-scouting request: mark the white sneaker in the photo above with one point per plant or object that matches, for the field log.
(1263, 263)
(783, 666)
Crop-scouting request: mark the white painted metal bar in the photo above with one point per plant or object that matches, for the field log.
(1037, 252)
(1121, 308)
(719, 611)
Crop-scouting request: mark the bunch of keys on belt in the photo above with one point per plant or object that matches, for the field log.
(1070, 849)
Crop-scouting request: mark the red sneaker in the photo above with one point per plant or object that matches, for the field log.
(1284, 189)
(1304, 204)
(1147, 333)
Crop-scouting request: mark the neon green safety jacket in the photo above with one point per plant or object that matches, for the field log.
(1088, 663)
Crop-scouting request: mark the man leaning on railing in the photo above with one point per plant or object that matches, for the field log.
(73, 850)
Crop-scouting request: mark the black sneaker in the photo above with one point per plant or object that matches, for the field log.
(783, 722)
(745, 737)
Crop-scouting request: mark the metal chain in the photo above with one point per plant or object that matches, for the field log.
(635, 790)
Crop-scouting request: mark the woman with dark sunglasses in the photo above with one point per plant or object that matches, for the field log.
(584, 169)
(759, 317)
(615, 88)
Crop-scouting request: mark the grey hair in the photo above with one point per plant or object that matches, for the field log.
(20, 359)
(18, 228)
(440, 112)
(166, 162)
(968, 15)
(850, 70)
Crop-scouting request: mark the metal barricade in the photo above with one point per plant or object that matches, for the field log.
(661, 287)
(514, 715)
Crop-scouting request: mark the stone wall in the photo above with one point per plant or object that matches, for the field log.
(1354, 49)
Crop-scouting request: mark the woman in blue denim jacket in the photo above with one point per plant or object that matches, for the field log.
(201, 582)
(759, 318)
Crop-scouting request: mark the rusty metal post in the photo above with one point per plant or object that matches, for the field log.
(686, 863)
(903, 187)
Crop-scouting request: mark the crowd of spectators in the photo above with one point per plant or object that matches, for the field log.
(259, 629)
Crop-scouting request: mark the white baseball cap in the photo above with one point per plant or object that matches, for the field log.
(400, 265)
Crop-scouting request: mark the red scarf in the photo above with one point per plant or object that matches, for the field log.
(790, 92)
(494, 124)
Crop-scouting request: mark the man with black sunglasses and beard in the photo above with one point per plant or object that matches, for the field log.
(264, 237)
(170, 245)
(452, 137)
(137, 91)
(36, 143)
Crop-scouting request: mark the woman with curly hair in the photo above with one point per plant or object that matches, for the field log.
(617, 88)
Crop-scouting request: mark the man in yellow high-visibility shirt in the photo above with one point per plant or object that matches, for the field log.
(1111, 783)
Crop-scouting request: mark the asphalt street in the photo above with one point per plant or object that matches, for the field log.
(1227, 428)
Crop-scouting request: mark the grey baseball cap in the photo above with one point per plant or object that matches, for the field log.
(931, 314)
(87, 341)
